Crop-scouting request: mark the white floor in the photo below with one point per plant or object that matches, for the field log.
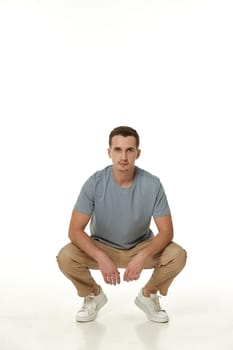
(39, 314)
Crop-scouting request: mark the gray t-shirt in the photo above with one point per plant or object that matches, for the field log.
(120, 217)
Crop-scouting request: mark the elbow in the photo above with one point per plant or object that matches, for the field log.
(71, 235)
(171, 236)
(74, 235)
(72, 232)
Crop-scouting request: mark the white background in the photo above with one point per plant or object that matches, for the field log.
(71, 71)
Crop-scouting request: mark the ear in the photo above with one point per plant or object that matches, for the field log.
(109, 153)
(138, 153)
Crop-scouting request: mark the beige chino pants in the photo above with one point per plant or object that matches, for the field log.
(76, 265)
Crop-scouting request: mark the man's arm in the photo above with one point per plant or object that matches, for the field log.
(81, 239)
(163, 237)
(158, 243)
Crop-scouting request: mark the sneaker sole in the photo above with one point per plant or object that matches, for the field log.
(150, 316)
(89, 319)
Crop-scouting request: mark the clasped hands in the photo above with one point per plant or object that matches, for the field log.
(111, 274)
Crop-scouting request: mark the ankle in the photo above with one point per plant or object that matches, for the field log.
(146, 292)
(96, 290)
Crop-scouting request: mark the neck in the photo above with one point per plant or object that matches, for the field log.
(124, 178)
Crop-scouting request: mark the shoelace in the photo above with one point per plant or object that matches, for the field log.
(88, 303)
(157, 306)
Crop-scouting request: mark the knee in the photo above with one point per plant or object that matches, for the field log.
(64, 257)
(177, 256)
(180, 257)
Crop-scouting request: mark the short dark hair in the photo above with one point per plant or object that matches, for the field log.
(124, 131)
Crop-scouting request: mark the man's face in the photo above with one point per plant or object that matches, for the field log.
(123, 152)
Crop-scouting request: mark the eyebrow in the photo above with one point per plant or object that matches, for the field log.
(127, 149)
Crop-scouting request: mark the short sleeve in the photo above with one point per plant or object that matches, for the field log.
(85, 202)
(161, 207)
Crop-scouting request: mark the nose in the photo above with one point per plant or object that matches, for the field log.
(124, 155)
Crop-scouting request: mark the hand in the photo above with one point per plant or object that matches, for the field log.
(134, 268)
(109, 270)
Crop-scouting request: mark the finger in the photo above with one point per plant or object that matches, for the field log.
(125, 275)
(107, 279)
(118, 278)
(128, 276)
(111, 279)
(131, 276)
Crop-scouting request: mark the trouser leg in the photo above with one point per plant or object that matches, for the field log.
(75, 265)
(168, 264)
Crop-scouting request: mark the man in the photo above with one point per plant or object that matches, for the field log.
(119, 202)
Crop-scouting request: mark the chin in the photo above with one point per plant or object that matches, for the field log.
(124, 169)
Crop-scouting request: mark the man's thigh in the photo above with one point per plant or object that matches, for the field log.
(163, 258)
(121, 257)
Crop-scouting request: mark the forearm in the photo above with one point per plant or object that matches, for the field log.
(158, 243)
(82, 240)
(107, 267)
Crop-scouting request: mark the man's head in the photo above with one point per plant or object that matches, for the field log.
(123, 148)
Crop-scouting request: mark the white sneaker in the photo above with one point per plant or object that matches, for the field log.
(91, 305)
(150, 305)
